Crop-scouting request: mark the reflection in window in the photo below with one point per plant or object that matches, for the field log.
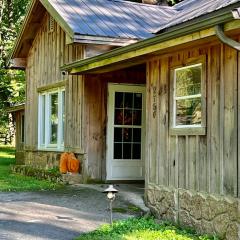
(54, 118)
(187, 96)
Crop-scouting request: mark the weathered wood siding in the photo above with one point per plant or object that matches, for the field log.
(96, 94)
(48, 52)
(206, 163)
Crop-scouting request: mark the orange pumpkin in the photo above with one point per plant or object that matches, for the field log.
(73, 163)
(64, 163)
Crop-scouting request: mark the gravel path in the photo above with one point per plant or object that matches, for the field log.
(62, 214)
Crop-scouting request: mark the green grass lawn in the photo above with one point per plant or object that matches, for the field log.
(142, 229)
(15, 182)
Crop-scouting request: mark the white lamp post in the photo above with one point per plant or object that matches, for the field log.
(111, 195)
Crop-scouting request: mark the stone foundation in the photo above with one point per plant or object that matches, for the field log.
(46, 159)
(204, 212)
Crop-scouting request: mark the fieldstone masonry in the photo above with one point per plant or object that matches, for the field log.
(206, 213)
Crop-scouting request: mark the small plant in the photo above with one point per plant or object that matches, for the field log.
(143, 229)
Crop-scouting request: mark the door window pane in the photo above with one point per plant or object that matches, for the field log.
(136, 151)
(128, 112)
(118, 117)
(137, 100)
(127, 134)
(118, 100)
(137, 117)
(137, 134)
(128, 100)
(127, 151)
(128, 117)
(117, 151)
(118, 136)
(54, 118)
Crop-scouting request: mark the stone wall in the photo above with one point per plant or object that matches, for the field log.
(47, 159)
(206, 213)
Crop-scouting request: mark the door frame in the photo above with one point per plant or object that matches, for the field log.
(114, 87)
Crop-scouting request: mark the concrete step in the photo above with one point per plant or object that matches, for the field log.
(72, 178)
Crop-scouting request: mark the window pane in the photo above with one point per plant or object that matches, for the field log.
(188, 112)
(136, 151)
(127, 134)
(63, 116)
(118, 134)
(118, 117)
(118, 100)
(137, 134)
(188, 81)
(42, 119)
(137, 100)
(128, 100)
(137, 117)
(117, 151)
(127, 150)
(54, 118)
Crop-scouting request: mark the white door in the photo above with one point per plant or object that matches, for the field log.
(125, 132)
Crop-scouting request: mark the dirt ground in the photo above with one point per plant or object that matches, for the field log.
(63, 214)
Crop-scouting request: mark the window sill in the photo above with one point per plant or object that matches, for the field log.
(51, 149)
(191, 131)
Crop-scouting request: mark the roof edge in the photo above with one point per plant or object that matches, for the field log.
(23, 27)
(49, 8)
(58, 18)
(16, 108)
(192, 27)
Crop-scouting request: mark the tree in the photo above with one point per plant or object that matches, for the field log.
(12, 82)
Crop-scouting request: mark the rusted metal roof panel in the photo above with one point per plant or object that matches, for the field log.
(113, 18)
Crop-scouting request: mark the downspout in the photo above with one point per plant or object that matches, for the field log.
(219, 30)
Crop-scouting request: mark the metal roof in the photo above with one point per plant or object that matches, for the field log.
(113, 18)
(191, 9)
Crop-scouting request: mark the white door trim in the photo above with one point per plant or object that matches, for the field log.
(112, 88)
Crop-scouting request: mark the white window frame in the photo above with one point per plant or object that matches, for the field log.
(47, 145)
(192, 129)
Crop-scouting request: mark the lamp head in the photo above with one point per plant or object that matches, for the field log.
(111, 191)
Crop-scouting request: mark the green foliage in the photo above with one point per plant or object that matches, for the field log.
(15, 182)
(12, 82)
(142, 229)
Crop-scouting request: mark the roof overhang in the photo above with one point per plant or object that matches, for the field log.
(16, 108)
(136, 53)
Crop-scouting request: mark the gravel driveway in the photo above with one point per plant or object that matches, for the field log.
(62, 214)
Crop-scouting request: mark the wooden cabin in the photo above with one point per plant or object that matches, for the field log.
(153, 98)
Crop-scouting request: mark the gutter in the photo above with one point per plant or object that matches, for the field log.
(210, 20)
(226, 40)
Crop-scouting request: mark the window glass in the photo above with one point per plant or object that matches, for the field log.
(187, 96)
(51, 119)
(42, 119)
(54, 118)
(63, 116)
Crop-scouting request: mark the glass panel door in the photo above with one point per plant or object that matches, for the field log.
(125, 132)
